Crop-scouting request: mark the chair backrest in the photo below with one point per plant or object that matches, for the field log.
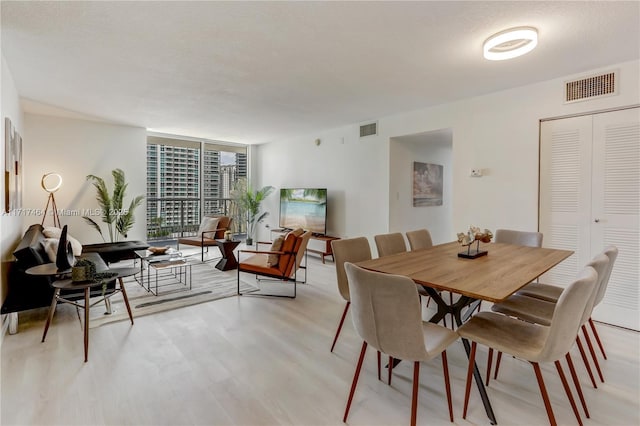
(303, 247)
(386, 312)
(600, 263)
(419, 239)
(348, 250)
(289, 257)
(224, 224)
(567, 314)
(520, 238)
(612, 253)
(388, 244)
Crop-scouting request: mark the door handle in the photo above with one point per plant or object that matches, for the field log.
(597, 220)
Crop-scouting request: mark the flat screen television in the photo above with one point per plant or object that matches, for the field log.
(304, 208)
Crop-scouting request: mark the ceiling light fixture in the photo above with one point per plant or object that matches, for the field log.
(510, 43)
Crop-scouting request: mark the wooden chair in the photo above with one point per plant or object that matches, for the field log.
(287, 262)
(386, 314)
(206, 235)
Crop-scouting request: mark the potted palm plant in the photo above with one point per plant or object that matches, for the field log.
(119, 219)
(249, 201)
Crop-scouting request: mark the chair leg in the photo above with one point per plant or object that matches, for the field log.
(498, 359)
(344, 314)
(489, 361)
(545, 395)
(467, 390)
(390, 370)
(577, 385)
(125, 298)
(355, 380)
(447, 385)
(585, 361)
(379, 356)
(593, 353)
(414, 399)
(595, 334)
(567, 390)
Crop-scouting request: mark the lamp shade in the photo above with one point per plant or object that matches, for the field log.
(51, 182)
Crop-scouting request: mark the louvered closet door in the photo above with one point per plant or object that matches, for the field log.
(616, 211)
(565, 193)
(590, 198)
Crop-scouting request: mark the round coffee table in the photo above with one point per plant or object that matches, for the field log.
(68, 284)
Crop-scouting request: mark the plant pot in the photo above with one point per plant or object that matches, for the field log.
(80, 273)
(249, 241)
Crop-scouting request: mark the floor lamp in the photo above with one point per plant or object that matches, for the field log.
(51, 182)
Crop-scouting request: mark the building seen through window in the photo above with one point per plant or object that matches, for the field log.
(189, 179)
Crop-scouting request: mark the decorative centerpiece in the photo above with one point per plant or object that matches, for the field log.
(83, 270)
(228, 236)
(467, 239)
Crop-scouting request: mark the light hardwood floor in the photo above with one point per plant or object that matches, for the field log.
(264, 361)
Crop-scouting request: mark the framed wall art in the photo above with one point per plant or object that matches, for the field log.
(12, 167)
(427, 184)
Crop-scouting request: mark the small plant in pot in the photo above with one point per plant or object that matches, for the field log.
(249, 201)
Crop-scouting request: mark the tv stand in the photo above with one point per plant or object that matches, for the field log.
(321, 244)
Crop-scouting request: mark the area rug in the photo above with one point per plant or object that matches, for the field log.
(207, 284)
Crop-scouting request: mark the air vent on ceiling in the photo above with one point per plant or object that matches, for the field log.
(370, 129)
(591, 87)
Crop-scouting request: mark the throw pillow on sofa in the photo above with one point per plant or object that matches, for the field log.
(52, 232)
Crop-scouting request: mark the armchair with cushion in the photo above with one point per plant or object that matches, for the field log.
(211, 228)
(281, 264)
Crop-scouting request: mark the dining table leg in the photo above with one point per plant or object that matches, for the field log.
(456, 310)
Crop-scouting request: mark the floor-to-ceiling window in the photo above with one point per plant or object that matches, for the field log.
(187, 179)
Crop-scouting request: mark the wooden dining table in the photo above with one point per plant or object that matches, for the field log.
(494, 277)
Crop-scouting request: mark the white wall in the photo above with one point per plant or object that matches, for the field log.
(355, 173)
(430, 147)
(11, 226)
(497, 133)
(74, 149)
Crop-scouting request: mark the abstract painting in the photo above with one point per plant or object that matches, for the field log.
(12, 168)
(427, 184)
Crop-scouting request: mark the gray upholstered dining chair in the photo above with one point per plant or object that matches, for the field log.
(532, 342)
(541, 311)
(388, 244)
(519, 238)
(551, 293)
(419, 239)
(347, 250)
(386, 314)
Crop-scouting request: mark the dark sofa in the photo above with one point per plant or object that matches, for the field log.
(32, 291)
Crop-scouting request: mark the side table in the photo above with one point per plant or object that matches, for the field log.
(68, 284)
(228, 260)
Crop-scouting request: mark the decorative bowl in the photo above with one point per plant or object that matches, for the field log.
(158, 250)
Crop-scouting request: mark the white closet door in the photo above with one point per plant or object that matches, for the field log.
(565, 193)
(616, 211)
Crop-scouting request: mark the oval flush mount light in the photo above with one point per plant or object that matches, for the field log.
(510, 43)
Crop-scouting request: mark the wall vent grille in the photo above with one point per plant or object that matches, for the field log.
(370, 129)
(591, 87)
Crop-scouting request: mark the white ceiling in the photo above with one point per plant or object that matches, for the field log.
(254, 72)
